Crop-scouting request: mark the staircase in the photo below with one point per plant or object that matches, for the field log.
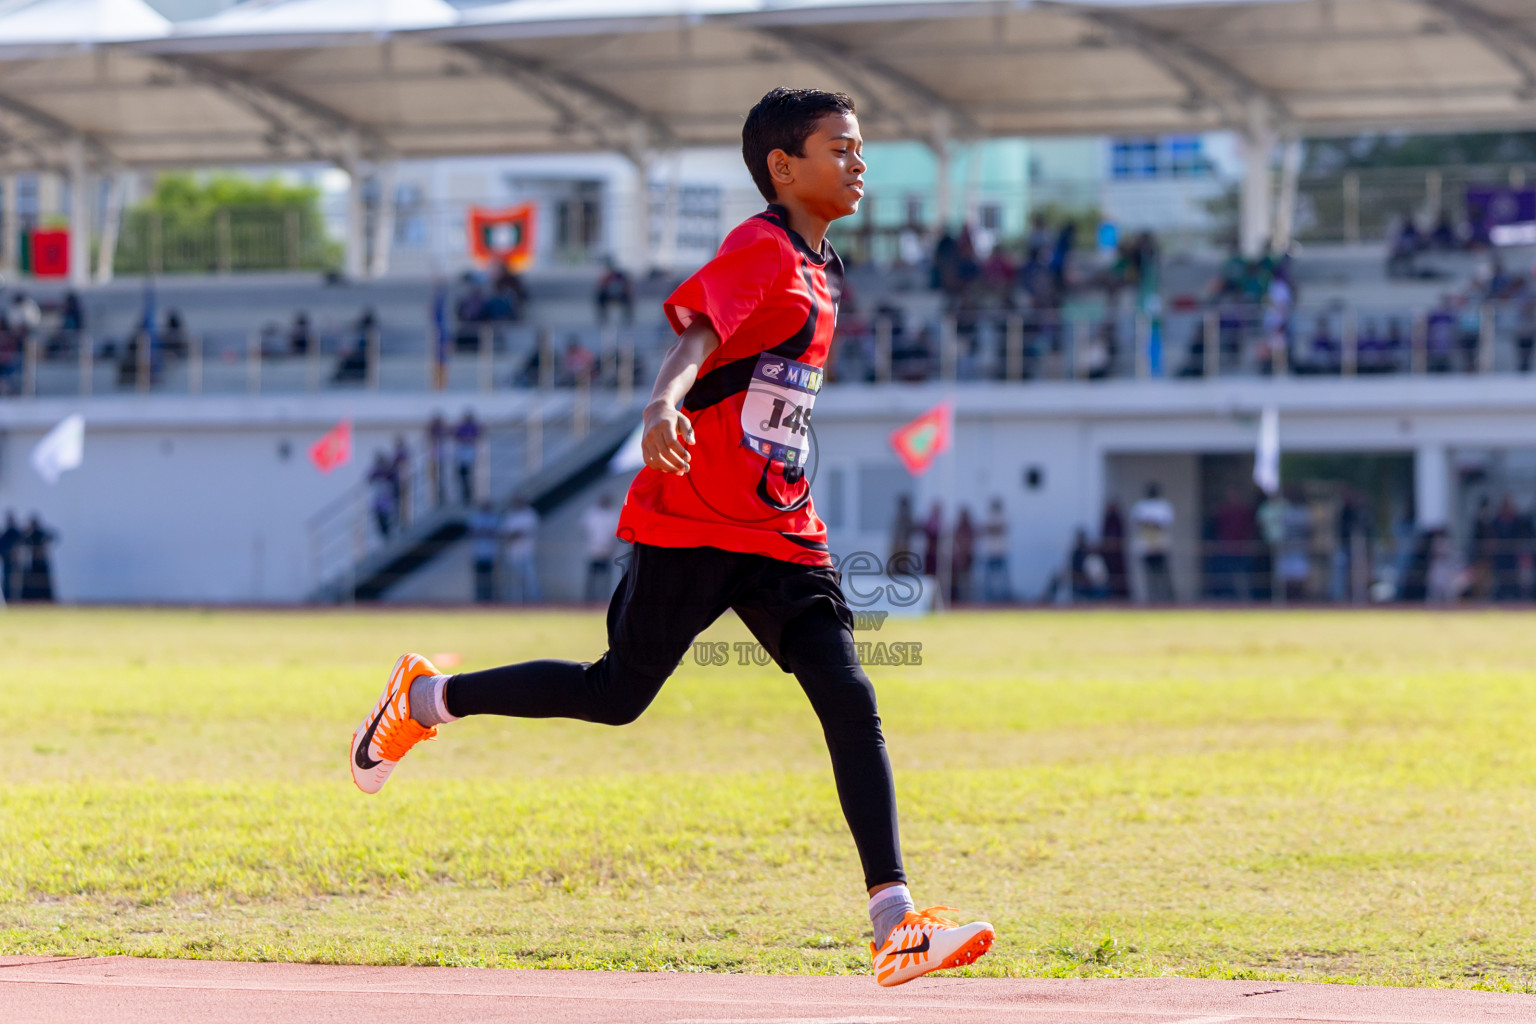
(546, 459)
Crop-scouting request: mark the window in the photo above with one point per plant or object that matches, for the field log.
(1185, 158)
(880, 485)
(698, 216)
(1175, 156)
(829, 498)
(410, 215)
(28, 204)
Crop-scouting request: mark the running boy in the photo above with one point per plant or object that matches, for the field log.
(721, 518)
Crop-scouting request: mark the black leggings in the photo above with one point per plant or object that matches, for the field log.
(666, 598)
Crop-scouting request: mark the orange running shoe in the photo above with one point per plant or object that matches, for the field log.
(389, 731)
(925, 942)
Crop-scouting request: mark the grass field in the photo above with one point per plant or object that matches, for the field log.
(1261, 795)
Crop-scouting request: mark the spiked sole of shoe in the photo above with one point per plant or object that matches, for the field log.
(968, 953)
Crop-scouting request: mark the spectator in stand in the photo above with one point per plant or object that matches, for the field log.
(599, 525)
(1061, 256)
(1089, 575)
(23, 318)
(466, 452)
(441, 338)
(37, 582)
(508, 298)
(520, 530)
(1394, 346)
(1440, 335)
(1509, 541)
(1103, 350)
(1324, 353)
(1037, 247)
(1237, 543)
(484, 543)
(995, 586)
(1228, 284)
(962, 557)
(71, 313)
(1445, 578)
(1480, 560)
(1407, 242)
(471, 305)
(71, 325)
(353, 367)
(614, 288)
(437, 458)
(1444, 235)
(300, 335)
(400, 476)
(1152, 518)
(945, 271)
(909, 247)
(1470, 334)
(1295, 562)
(1525, 334)
(578, 365)
(1370, 349)
(997, 277)
(933, 530)
(1277, 318)
(10, 556)
(382, 493)
(1112, 544)
(902, 530)
(967, 265)
(173, 337)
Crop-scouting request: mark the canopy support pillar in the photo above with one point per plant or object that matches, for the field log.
(383, 220)
(106, 255)
(943, 145)
(642, 157)
(79, 217)
(353, 265)
(1432, 485)
(1285, 211)
(1255, 219)
(10, 226)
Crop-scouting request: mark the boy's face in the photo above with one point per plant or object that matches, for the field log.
(828, 181)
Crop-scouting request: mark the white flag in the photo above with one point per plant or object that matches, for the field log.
(1266, 456)
(62, 448)
(631, 456)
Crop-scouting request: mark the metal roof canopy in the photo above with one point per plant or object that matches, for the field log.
(339, 80)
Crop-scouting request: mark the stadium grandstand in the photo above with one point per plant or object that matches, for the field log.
(1111, 376)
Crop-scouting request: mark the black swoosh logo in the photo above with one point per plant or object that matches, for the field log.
(361, 757)
(921, 947)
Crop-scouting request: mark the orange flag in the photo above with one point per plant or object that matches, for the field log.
(334, 447)
(925, 438)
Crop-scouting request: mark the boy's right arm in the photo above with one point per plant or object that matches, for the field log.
(665, 430)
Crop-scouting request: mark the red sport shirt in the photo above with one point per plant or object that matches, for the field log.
(773, 302)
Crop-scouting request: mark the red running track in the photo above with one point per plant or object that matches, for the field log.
(127, 990)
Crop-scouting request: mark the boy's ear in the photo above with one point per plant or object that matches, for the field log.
(779, 168)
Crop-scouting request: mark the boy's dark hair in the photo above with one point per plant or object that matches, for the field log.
(784, 119)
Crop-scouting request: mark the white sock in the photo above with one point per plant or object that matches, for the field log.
(886, 910)
(429, 704)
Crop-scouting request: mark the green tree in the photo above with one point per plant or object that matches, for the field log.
(210, 223)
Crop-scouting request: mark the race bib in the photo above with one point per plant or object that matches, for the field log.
(776, 415)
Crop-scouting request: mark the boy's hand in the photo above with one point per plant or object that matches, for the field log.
(666, 431)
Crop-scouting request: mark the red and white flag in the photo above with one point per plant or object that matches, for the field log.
(334, 447)
(925, 438)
